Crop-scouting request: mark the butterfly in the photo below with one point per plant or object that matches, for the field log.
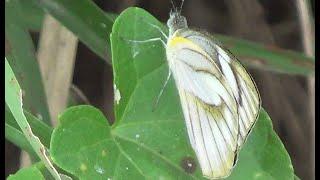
(219, 99)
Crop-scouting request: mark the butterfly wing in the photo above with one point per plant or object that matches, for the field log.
(242, 84)
(208, 105)
(212, 94)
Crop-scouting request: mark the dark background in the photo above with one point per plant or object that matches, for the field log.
(272, 22)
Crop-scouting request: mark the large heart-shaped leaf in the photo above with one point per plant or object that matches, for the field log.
(147, 144)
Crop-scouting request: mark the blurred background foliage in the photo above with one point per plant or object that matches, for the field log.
(288, 98)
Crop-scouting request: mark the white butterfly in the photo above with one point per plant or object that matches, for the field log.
(219, 99)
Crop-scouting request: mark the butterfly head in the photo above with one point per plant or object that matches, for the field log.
(176, 21)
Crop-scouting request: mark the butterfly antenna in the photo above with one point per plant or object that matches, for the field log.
(173, 6)
(182, 1)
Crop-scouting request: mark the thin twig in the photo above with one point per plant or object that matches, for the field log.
(308, 37)
(307, 26)
(15, 104)
(78, 95)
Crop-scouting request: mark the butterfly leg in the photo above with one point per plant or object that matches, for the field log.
(161, 91)
(147, 40)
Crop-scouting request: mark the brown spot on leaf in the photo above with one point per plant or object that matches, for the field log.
(42, 150)
(188, 164)
(29, 132)
(12, 80)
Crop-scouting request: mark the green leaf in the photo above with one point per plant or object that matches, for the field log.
(263, 156)
(132, 62)
(32, 15)
(44, 171)
(21, 57)
(13, 98)
(30, 173)
(268, 57)
(17, 137)
(75, 157)
(146, 144)
(14, 134)
(85, 19)
(84, 145)
(40, 129)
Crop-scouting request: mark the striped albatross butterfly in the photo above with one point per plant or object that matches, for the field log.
(219, 99)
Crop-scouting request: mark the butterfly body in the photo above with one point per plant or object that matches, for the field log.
(219, 99)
